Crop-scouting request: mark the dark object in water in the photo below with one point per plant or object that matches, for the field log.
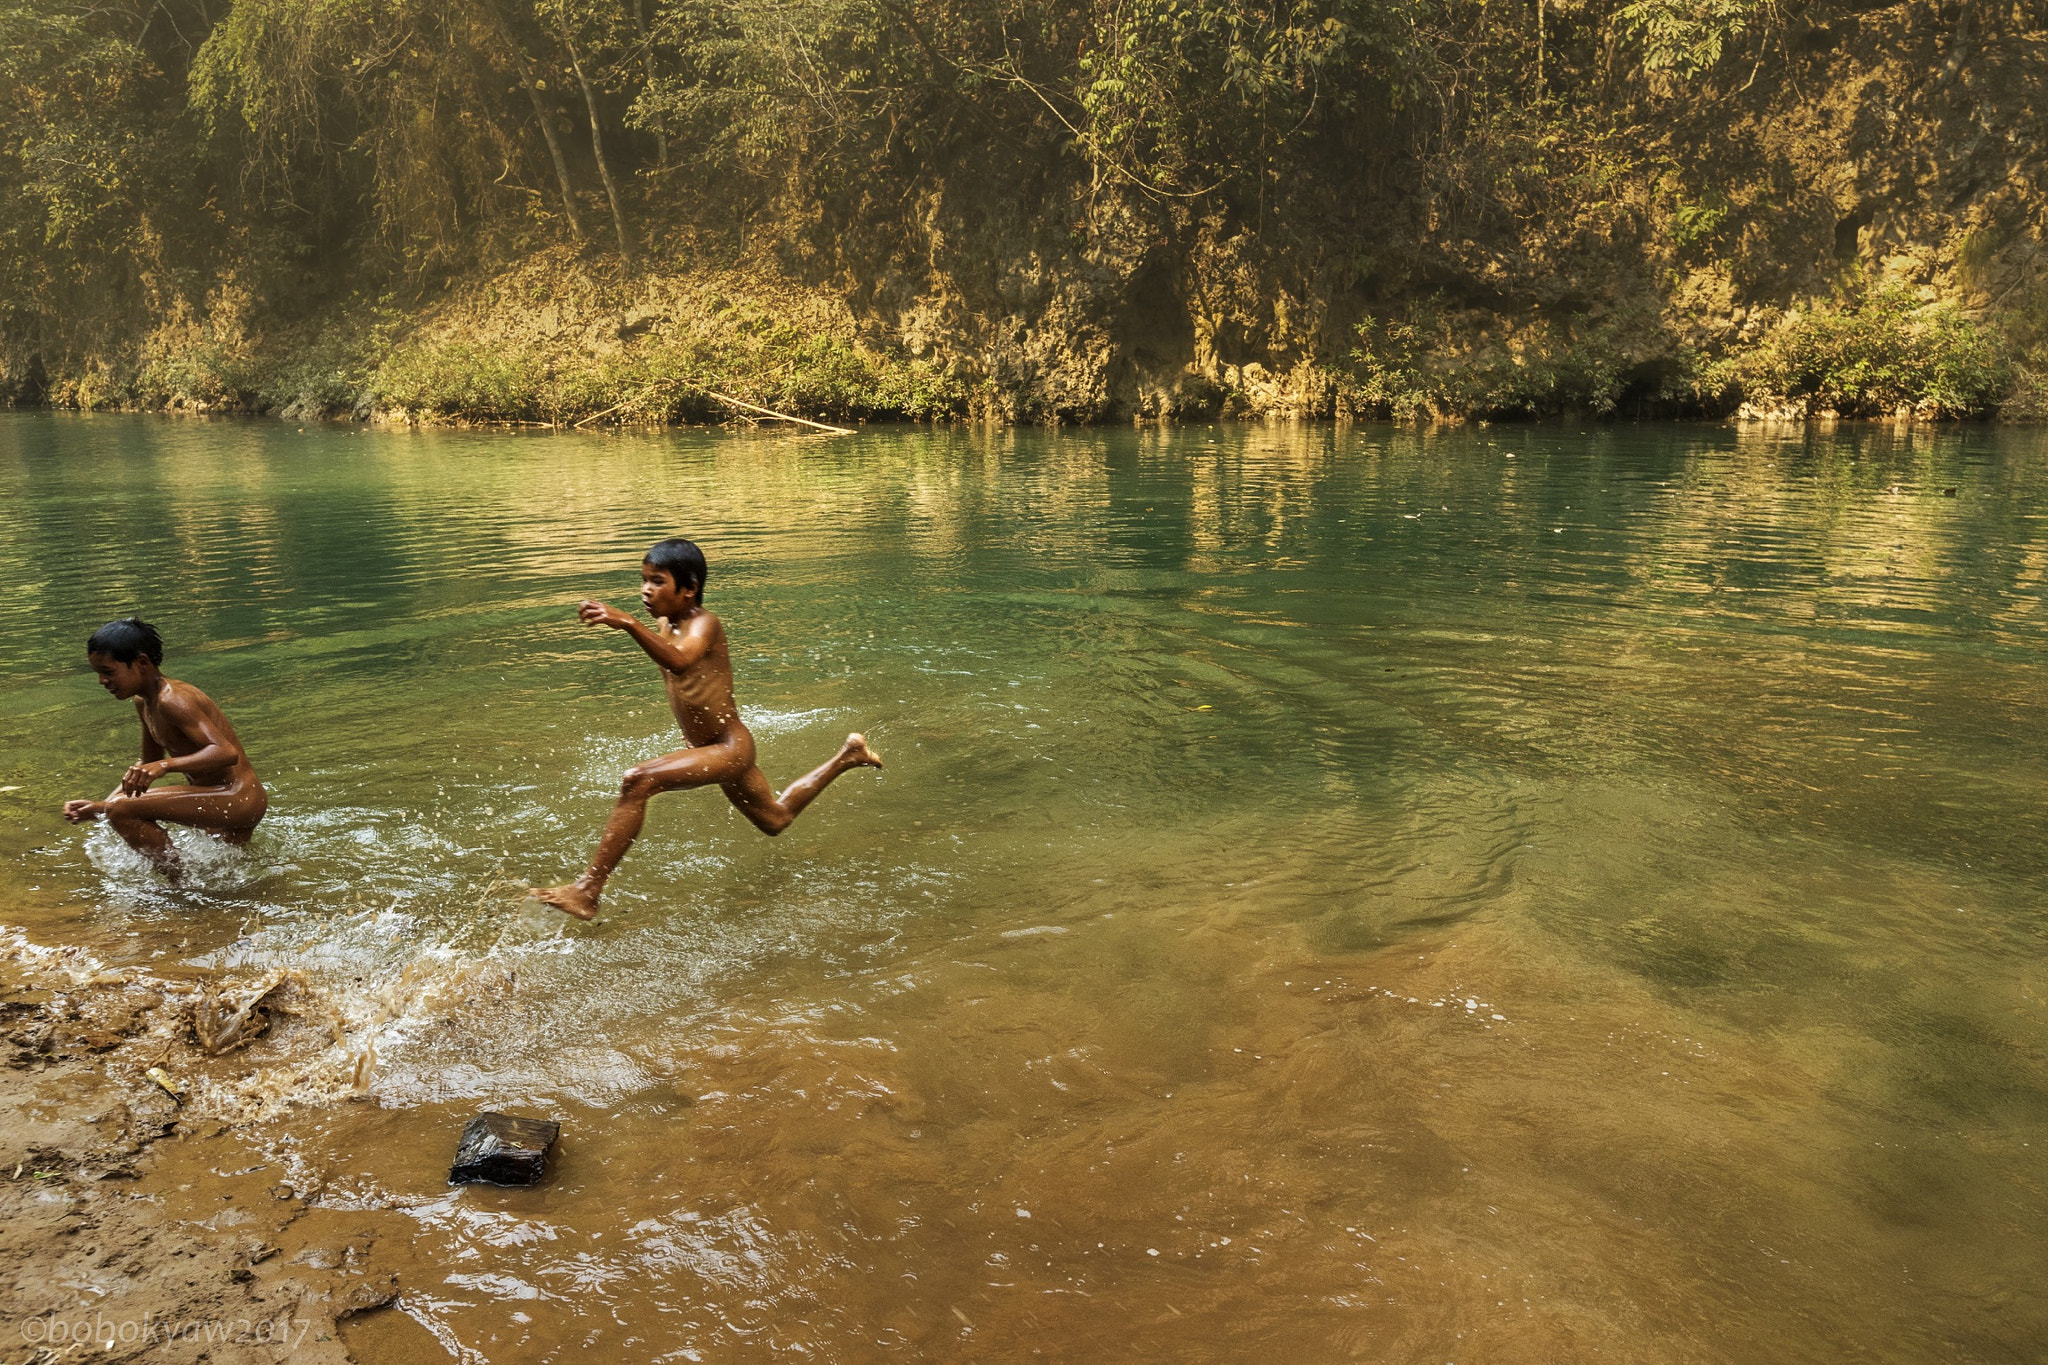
(1948, 492)
(497, 1149)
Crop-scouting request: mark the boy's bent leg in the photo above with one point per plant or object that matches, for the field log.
(643, 782)
(145, 836)
(228, 812)
(756, 799)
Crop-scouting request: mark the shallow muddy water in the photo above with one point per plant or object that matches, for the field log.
(1508, 895)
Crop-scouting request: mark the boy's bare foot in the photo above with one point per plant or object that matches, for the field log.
(570, 899)
(859, 754)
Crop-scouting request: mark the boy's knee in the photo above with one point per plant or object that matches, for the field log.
(638, 785)
(138, 833)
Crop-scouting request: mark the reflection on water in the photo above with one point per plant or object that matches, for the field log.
(1499, 895)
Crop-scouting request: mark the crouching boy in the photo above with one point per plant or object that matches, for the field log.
(182, 732)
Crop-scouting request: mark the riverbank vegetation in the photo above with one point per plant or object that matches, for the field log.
(571, 210)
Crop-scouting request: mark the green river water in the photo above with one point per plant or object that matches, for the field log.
(1510, 894)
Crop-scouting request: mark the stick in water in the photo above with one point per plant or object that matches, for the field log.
(756, 407)
(595, 415)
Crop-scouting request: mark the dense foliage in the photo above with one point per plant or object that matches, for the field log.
(1440, 204)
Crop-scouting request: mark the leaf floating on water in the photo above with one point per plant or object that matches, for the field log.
(10, 789)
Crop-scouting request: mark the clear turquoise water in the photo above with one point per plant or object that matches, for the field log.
(1588, 901)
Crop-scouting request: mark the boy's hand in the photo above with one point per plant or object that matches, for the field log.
(598, 614)
(137, 779)
(79, 811)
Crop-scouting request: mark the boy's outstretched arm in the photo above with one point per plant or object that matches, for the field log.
(672, 654)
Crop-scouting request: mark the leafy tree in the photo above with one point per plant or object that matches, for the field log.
(95, 166)
(1688, 37)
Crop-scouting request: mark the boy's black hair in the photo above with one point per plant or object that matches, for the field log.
(682, 561)
(126, 640)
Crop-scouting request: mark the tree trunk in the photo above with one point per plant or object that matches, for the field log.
(540, 113)
(1959, 44)
(647, 60)
(604, 167)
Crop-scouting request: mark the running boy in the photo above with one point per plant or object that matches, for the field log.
(689, 646)
(182, 732)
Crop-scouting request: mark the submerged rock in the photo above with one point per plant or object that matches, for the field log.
(498, 1149)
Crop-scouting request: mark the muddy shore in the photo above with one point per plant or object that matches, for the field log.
(139, 1228)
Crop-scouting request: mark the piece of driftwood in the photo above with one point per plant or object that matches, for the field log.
(498, 1149)
(222, 1026)
(729, 401)
(771, 412)
(576, 426)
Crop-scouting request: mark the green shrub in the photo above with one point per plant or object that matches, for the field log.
(2028, 399)
(1387, 372)
(465, 381)
(1878, 355)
